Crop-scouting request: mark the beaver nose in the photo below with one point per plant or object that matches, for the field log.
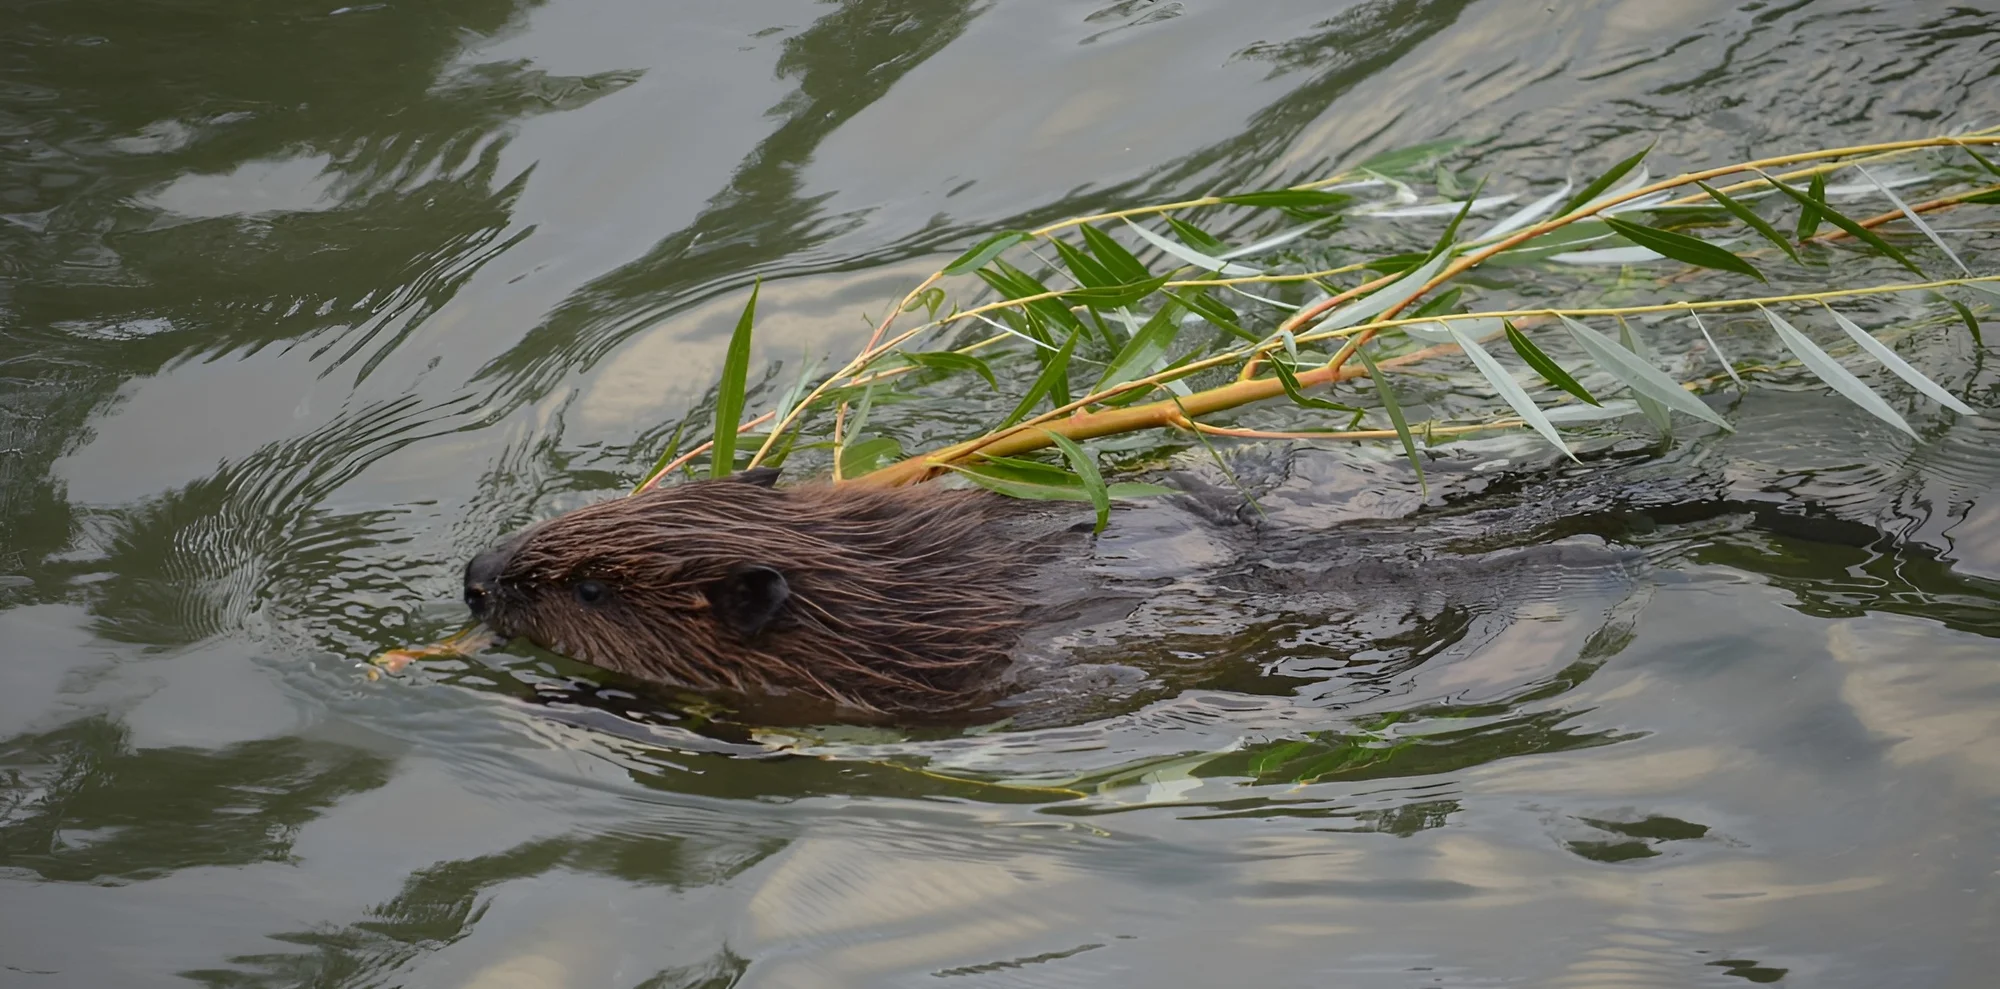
(482, 577)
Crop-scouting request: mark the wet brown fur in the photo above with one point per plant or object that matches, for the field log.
(900, 600)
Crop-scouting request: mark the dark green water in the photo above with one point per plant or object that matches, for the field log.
(302, 304)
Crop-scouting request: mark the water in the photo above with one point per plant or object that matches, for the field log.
(303, 304)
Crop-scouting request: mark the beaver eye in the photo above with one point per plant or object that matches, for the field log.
(591, 591)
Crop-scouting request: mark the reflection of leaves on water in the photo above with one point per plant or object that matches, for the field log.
(442, 903)
(78, 805)
(202, 560)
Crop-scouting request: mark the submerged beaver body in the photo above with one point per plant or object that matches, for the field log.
(899, 601)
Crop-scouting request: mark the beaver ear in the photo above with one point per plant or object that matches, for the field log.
(748, 599)
(763, 477)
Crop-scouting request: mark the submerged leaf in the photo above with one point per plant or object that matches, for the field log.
(729, 391)
(1550, 371)
(1751, 219)
(1837, 377)
(986, 250)
(1085, 466)
(1894, 362)
(1643, 378)
(1605, 181)
(1395, 410)
(1509, 389)
(1683, 248)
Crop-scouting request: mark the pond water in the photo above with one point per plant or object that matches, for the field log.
(304, 303)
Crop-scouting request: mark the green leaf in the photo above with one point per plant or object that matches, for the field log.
(1550, 371)
(1041, 482)
(867, 455)
(729, 391)
(931, 299)
(1655, 412)
(1385, 298)
(1395, 410)
(1916, 219)
(1052, 382)
(1720, 357)
(1086, 470)
(986, 250)
(1087, 270)
(1214, 311)
(667, 456)
(1981, 159)
(950, 363)
(1855, 230)
(1413, 160)
(1013, 283)
(1809, 216)
(1113, 296)
(1206, 262)
(1990, 197)
(1830, 371)
(1288, 377)
(1195, 237)
(1751, 219)
(1896, 364)
(1122, 265)
(1971, 322)
(1509, 389)
(1443, 302)
(1144, 350)
(1605, 181)
(1445, 239)
(1644, 379)
(1682, 247)
(1308, 200)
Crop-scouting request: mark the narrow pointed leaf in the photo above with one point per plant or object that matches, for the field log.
(1526, 216)
(1276, 240)
(1643, 378)
(1086, 470)
(1214, 311)
(1385, 298)
(1043, 482)
(1289, 377)
(1206, 262)
(1532, 356)
(1144, 350)
(1445, 239)
(1809, 212)
(1716, 348)
(1395, 410)
(1615, 409)
(1683, 248)
(1752, 220)
(1605, 181)
(1195, 237)
(1915, 220)
(1298, 199)
(1114, 295)
(1894, 362)
(949, 363)
(1990, 197)
(1087, 270)
(1855, 230)
(1656, 413)
(1509, 389)
(1013, 283)
(1443, 302)
(1120, 262)
(667, 456)
(1981, 159)
(986, 250)
(1836, 377)
(1052, 382)
(867, 454)
(1608, 255)
(729, 391)
(1971, 322)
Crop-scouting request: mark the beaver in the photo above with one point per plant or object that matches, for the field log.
(897, 601)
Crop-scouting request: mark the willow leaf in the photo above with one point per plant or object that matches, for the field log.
(729, 391)
(1120, 262)
(1683, 248)
(1971, 322)
(986, 250)
(950, 362)
(1644, 379)
(867, 454)
(1752, 220)
(1291, 199)
(1201, 240)
(1809, 215)
(1853, 229)
(1053, 382)
(1213, 310)
(1144, 350)
(1388, 296)
(1086, 470)
(1525, 216)
(1717, 349)
(1113, 296)
(1289, 378)
(1981, 159)
(1206, 262)
(1088, 271)
(1836, 377)
(1510, 390)
(1395, 410)
(1894, 362)
(1550, 371)
(1605, 181)
(1655, 412)
(1916, 220)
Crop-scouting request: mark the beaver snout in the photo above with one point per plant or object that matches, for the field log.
(482, 577)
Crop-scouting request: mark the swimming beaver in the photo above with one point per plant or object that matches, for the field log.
(895, 601)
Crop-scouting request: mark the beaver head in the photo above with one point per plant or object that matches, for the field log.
(877, 600)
